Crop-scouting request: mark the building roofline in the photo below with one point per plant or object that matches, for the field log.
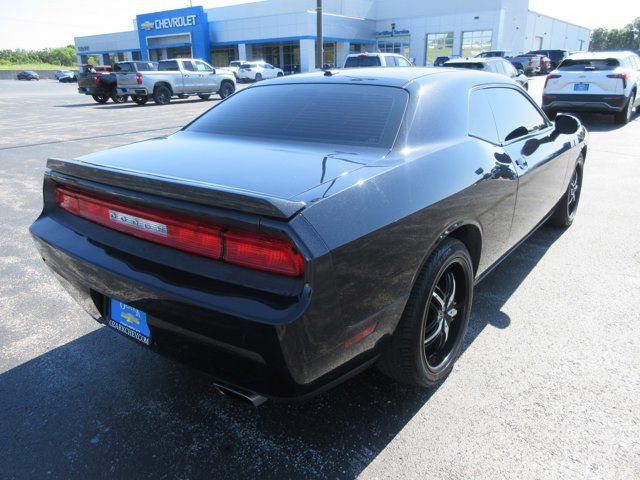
(559, 19)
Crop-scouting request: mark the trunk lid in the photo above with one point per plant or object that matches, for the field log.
(232, 172)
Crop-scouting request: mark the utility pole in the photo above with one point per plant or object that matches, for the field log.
(319, 40)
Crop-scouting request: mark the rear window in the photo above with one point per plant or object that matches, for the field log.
(168, 65)
(467, 65)
(362, 61)
(362, 115)
(589, 64)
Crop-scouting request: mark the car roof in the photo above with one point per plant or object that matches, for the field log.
(374, 54)
(479, 60)
(604, 54)
(389, 76)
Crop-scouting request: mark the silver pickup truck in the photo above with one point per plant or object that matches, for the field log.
(180, 77)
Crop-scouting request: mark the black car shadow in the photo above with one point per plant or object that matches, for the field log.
(100, 406)
(602, 122)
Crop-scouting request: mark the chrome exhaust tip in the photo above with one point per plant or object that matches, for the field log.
(245, 396)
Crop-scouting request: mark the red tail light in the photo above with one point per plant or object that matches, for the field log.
(551, 77)
(239, 248)
(96, 78)
(621, 76)
(530, 61)
(139, 78)
(363, 55)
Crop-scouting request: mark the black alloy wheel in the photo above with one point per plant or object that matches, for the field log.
(429, 336)
(565, 211)
(119, 98)
(226, 89)
(624, 117)
(258, 77)
(101, 98)
(441, 324)
(162, 95)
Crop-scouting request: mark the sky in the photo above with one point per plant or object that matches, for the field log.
(35, 24)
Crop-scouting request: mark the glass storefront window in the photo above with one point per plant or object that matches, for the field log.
(329, 55)
(399, 45)
(290, 58)
(135, 55)
(476, 42)
(179, 52)
(269, 53)
(438, 45)
(223, 56)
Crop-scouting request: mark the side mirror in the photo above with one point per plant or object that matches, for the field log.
(213, 71)
(566, 125)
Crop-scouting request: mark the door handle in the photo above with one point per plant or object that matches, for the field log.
(522, 163)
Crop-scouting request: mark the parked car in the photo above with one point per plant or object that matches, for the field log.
(556, 56)
(495, 53)
(66, 76)
(234, 66)
(180, 77)
(530, 63)
(28, 75)
(605, 82)
(256, 71)
(311, 226)
(100, 83)
(440, 61)
(492, 65)
(359, 60)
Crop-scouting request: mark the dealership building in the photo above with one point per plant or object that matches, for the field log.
(282, 32)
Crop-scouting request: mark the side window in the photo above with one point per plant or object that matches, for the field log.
(489, 67)
(188, 66)
(481, 122)
(499, 67)
(402, 62)
(202, 67)
(390, 61)
(169, 65)
(515, 115)
(511, 70)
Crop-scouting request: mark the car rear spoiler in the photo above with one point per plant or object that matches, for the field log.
(180, 189)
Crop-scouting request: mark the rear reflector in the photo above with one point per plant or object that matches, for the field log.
(239, 248)
(360, 335)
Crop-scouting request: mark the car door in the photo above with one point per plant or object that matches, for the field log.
(269, 71)
(189, 76)
(497, 183)
(528, 139)
(207, 81)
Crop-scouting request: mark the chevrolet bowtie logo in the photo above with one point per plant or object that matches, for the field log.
(146, 25)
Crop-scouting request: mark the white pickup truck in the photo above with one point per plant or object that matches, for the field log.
(179, 77)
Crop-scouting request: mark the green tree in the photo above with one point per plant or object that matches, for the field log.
(627, 38)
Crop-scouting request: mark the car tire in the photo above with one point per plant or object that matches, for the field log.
(100, 98)
(204, 96)
(162, 95)
(182, 96)
(430, 333)
(623, 117)
(140, 99)
(566, 209)
(280, 74)
(119, 98)
(226, 89)
(258, 77)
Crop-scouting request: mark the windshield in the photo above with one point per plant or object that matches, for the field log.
(362, 61)
(362, 115)
(589, 64)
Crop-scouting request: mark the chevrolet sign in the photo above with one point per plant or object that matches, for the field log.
(173, 22)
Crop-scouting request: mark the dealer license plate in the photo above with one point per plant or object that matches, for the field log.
(129, 320)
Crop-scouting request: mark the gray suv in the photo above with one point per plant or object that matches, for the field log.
(494, 65)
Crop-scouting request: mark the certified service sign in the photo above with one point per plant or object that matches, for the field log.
(173, 22)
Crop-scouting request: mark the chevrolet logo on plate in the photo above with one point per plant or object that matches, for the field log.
(146, 25)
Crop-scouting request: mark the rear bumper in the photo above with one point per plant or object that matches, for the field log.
(584, 102)
(94, 91)
(137, 90)
(286, 343)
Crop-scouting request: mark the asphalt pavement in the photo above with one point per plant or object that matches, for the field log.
(548, 385)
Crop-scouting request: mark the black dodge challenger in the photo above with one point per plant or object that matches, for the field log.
(308, 227)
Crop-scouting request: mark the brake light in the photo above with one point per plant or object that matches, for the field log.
(262, 253)
(239, 248)
(363, 55)
(139, 78)
(530, 61)
(621, 76)
(551, 77)
(96, 78)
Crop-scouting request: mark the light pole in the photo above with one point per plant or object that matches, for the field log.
(319, 41)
